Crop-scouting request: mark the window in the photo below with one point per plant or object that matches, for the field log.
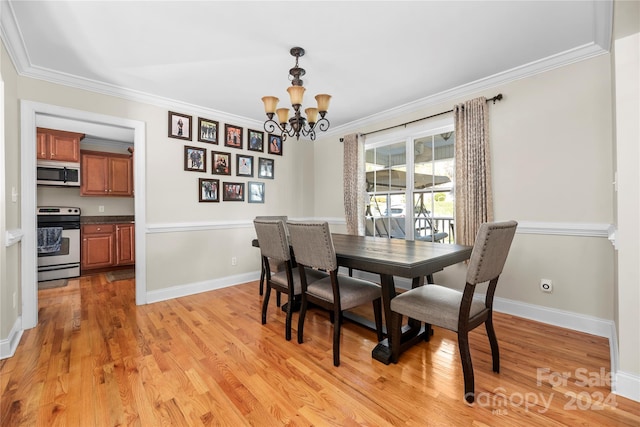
(410, 178)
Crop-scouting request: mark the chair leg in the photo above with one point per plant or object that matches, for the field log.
(303, 313)
(336, 337)
(395, 335)
(467, 366)
(377, 315)
(262, 280)
(493, 341)
(277, 298)
(265, 304)
(287, 325)
(428, 332)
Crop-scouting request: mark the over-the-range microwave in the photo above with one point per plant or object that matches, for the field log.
(59, 174)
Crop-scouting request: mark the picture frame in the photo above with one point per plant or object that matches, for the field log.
(244, 165)
(233, 191)
(179, 126)
(266, 168)
(256, 140)
(208, 190)
(233, 136)
(275, 144)
(195, 159)
(207, 131)
(220, 163)
(256, 192)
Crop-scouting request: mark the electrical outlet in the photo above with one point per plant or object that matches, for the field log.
(234, 261)
(100, 208)
(546, 285)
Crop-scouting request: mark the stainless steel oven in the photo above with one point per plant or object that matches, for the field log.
(63, 261)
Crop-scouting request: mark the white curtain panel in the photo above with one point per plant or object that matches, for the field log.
(474, 197)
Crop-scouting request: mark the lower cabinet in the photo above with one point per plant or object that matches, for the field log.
(107, 245)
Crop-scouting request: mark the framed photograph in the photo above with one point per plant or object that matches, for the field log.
(207, 130)
(265, 168)
(195, 159)
(244, 165)
(233, 191)
(208, 190)
(233, 136)
(256, 140)
(220, 163)
(256, 192)
(275, 144)
(179, 126)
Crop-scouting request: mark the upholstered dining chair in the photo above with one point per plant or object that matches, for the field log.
(458, 311)
(313, 249)
(275, 249)
(274, 266)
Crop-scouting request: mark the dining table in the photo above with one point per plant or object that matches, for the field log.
(412, 259)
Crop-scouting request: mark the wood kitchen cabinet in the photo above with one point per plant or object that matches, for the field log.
(107, 245)
(125, 244)
(58, 145)
(98, 243)
(106, 174)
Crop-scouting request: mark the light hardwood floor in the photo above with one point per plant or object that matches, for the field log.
(96, 359)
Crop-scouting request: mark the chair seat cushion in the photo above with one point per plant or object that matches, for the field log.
(434, 304)
(312, 275)
(353, 291)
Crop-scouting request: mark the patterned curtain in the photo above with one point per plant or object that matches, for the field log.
(474, 197)
(354, 183)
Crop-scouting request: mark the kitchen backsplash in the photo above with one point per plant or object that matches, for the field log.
(56, 196)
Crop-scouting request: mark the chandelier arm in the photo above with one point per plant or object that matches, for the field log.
(322, 124)
(271, 126)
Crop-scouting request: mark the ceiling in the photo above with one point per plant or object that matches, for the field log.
(376, 58)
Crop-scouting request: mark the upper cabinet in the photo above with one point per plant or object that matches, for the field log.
(58, 145)
(106, 174)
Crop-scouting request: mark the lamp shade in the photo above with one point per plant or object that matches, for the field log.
(296, 93)
(283, 115)
(312, 115)
(270, 104)
(323, 102)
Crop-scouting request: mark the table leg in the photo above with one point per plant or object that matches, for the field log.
(412, 333)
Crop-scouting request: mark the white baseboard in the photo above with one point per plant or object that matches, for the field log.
(564, 319)
(198, 287)
(627, 385)
(8, 346)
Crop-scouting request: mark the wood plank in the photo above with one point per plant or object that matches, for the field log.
(97, 359)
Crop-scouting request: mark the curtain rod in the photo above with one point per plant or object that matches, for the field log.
(498, 97)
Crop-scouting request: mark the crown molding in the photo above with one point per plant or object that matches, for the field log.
(603, 17)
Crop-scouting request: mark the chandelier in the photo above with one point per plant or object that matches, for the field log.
(298, 124)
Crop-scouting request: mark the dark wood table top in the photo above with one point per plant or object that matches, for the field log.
(396, 257)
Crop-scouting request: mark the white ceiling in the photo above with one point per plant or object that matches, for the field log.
(221, 57)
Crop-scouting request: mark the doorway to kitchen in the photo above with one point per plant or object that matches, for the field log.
(32, 114)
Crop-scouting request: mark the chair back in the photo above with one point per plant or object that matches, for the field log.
(272, 238)
(490, 251)
(312, 244)
(281, 218)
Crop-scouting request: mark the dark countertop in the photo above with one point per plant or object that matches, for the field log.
(107, 219)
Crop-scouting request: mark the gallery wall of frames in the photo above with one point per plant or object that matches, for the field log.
(227, 160)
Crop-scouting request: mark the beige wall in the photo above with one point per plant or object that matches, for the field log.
(551, 148)
(628, 213)
(10, 256)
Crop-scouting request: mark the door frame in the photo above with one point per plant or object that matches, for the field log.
(94, 122)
